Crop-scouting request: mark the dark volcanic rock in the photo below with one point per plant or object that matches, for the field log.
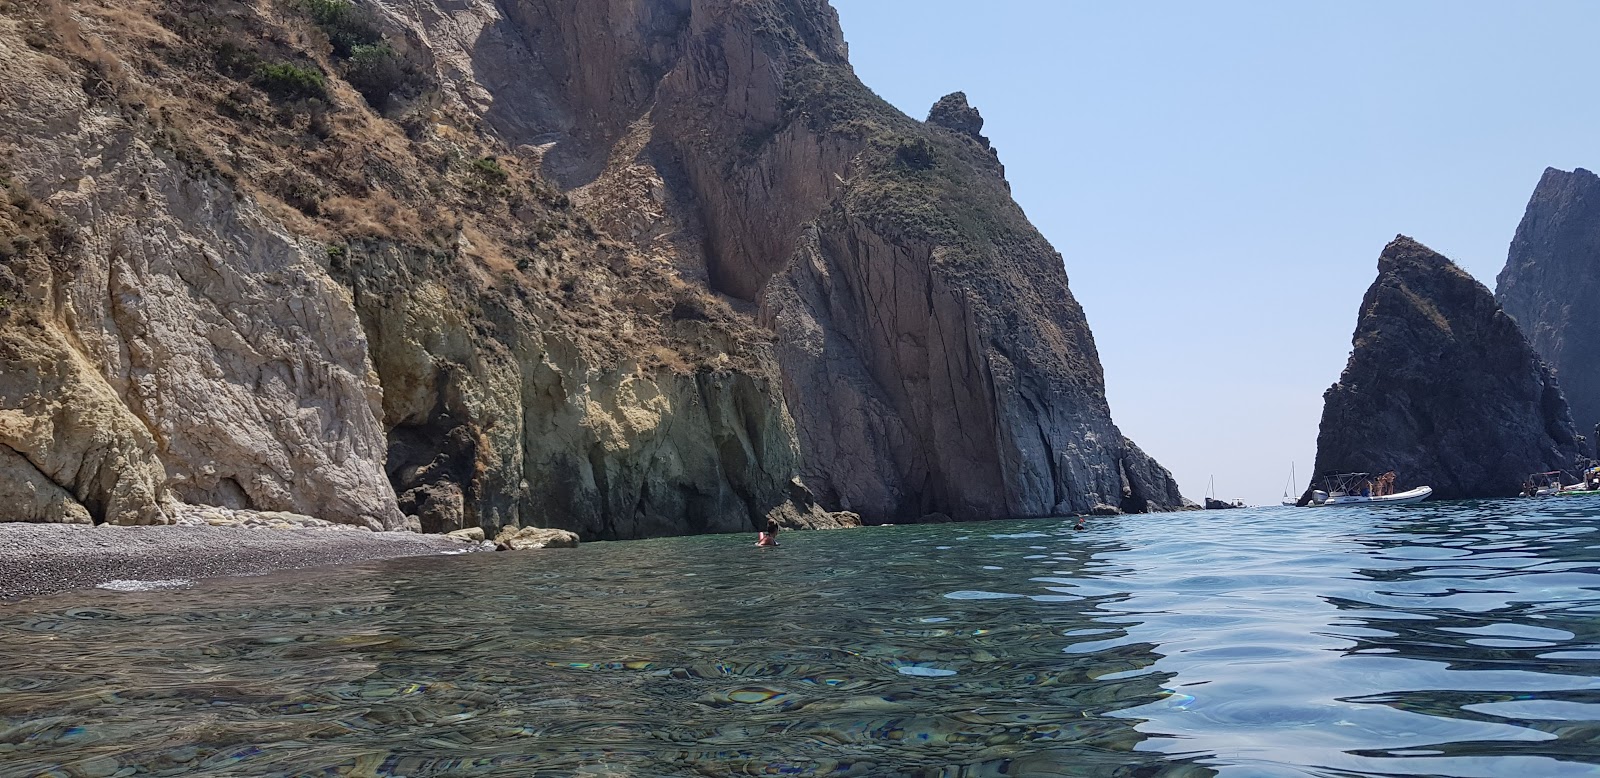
(1551, 283)
(1442, 387)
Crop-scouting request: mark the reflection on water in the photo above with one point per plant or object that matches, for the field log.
(1453, 639)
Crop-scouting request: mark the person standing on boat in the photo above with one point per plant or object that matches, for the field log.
(1386, 484)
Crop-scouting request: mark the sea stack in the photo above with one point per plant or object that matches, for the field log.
(1442, 387)
(1551, 284)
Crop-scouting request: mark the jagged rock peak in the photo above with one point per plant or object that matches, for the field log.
(1442, 387)
(1551, 281)
(954, 113)
(1405, 255)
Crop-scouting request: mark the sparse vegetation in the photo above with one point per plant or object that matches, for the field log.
(914, 153)
(372, 65)
(912, 181)
(251, 92)
(378, 73)
(288, 81)
(490, 168)
(829, 98)
(348, 26)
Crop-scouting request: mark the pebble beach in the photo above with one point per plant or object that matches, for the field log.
(39, 559)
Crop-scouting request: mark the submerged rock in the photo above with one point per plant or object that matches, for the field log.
(845, 519)
(1442, 387)
(1551, 285)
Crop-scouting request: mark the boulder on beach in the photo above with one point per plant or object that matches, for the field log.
(528, 538)
(469, 535)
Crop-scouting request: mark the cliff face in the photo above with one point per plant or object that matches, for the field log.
(1442, 387)
(1551, 284)
(622, 267)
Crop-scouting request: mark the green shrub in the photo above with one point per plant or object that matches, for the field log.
(347, 25)
(490, 169)
(915, 153)
(288, 81)
(379, 73)
(235, 60)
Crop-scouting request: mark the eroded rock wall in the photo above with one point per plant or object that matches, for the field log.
(199, 337)
(503, 419)
(1442, 387)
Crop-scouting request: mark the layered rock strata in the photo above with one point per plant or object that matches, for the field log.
(1442, 387)
(1551, 284)
(623, 268)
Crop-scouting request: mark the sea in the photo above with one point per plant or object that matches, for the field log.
(1443, 639)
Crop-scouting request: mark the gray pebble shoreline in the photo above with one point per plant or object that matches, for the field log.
(40, 559)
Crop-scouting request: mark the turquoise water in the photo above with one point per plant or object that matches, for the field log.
(1457, 639)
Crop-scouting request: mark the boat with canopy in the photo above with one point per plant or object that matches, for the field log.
(1364, 489)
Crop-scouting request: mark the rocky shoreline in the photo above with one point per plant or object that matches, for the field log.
(38, 559)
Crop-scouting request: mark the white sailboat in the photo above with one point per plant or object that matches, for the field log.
(1291, 490)
(1212, 503)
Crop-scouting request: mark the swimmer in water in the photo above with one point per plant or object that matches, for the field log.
(1080, 524)
(770, 537)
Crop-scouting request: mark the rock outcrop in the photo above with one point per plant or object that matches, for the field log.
(932, 355)
(953, 112)
(1442, 387)
(531, 538)
(618, 267)
(1551, 284)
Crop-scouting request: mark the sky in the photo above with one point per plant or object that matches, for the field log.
(1220, 178)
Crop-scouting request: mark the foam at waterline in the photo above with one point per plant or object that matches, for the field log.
(134, 585)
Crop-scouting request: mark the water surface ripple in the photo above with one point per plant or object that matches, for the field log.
(1456, 639)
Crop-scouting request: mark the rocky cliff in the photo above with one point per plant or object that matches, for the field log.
(1551, 284)
(622, 267)
(1442, 387)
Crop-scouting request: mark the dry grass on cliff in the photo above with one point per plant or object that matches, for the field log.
(33, 242)
(259, 95)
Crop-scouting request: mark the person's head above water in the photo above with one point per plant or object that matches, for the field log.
(770, 536)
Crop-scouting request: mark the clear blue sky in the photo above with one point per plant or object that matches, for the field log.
(1221, 176)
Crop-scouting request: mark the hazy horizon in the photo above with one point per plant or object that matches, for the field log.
(1220, 179)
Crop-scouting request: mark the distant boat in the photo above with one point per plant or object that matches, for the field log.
(1589, 484)
(1542, 484)
(1291, 490)
(1213, 504)
(1357, 489)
